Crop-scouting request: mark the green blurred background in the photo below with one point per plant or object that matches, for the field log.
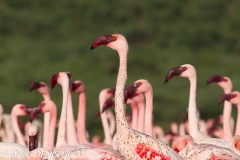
(40, 38)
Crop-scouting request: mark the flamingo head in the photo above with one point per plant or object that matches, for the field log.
(109, 103)
(182, 142)
(233, 97)
(223, 82)
(114, 41)
(186, 70)
(35, 111)
(111, 91)
(33, 133)
(34, 85)
(26, 109)
(78, 86)
(54, 80)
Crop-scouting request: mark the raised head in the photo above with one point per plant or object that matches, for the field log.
(222, 81)
(114, 41)
(78, 86)
(185, 70)
(233, 97)
(36, 110)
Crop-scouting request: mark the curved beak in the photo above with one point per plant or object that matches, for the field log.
(35, 111)
(175, 71)
(75, 86)
(34, 85)
(108, 104)
(104, 39)
(225, 97)
(215, 78)
(54, 80)
(131, 90)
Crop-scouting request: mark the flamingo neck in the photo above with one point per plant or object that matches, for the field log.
(149, 112)
(17, 130)
(120, 107)
(71, 129)
(134, 115)
(192, 109)
(46, 96)
(62, 126)
(111, 120)
(106, 128)
(141, 116)
(227, 114)
(81, 121)
(53, 115)
(237, 132)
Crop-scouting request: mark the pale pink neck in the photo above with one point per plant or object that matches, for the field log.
(46, 96)
(134, 115)
(106, 129)
(237, 131)
(81, 121)
(141, 116)
(62, 126)
(46, 122)
(120, 107)
(192, 109)
(149, 111)
(17, 130)
(227, 114)
(53, 115)
(71, 130)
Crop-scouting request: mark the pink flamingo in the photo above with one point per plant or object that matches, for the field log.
(130, 143)
(187, 70)
(61, 144)
(226, 84)
(233, 98)
(48, 106)
(79, 87)
(42, 88)
(189, 150)
(19, 110)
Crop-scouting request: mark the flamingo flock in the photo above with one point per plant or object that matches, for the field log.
(126, 137)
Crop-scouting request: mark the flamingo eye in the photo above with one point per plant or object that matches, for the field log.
(235, 95)
(176, 149)
(43, 104)
(114, 38)
(139, 83)
(185, 68)
(225, 80)
(43, 85)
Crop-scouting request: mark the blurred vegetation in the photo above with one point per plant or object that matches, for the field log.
(40, 38)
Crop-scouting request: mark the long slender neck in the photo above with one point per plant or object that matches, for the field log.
(71, 131)
(141, 116)
(237, 132)
(192, 109)
(149, 112)
(46, 96)
(227, 114)
(17, 130)
(106, 129)
(134, 115)
(46, 124)
(81, 121)
(62, 127)
(120, 107)
(53, 115)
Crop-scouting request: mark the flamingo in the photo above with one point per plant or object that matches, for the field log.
(226, 84)
(233, 98)
(19, 110)
(42, 88)
(62, 144)
(188, 71)
(47, 106)
(105, 94)
(189, 150)
(79, 87)
(130, 143)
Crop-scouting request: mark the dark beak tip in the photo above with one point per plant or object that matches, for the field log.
(165, 81)
(91, 48)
